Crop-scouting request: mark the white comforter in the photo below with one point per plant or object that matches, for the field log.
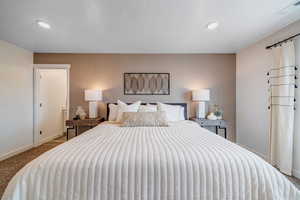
(181, 162)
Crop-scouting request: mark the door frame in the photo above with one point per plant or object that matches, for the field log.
(36, 83)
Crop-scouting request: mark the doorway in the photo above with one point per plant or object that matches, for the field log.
(51, 101)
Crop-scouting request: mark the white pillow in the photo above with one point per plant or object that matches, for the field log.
(113, 112)
(148, 108)
(174, 113)
(181, 114)
(123, 107)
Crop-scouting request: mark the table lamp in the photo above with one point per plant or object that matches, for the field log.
(93, 96)
(200, 96)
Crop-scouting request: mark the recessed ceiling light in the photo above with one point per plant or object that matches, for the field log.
(212, 25)
(43, 24)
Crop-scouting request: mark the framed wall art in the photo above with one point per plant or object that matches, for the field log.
(146, 83)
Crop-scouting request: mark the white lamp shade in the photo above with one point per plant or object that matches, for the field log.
(93, 95)
(200, 95)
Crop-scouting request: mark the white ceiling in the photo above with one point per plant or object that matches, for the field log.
(141, 26)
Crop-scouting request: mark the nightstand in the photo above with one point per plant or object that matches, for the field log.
(218, 124)
(75, 124)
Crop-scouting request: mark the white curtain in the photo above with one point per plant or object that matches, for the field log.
(282, 86)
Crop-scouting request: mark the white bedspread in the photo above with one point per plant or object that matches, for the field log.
(181, 162)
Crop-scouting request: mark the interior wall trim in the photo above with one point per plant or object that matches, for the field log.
(253, 151)
(36, 140)
(16, 151)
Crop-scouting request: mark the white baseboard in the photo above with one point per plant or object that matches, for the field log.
(296, 173)
(48, 139)
(25, 148)
(253, 151)
(15, 152)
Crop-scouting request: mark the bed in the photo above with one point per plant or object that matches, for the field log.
(179, 162)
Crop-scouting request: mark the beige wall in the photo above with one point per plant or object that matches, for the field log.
(188, 71)
(16, 99)
(252, 114)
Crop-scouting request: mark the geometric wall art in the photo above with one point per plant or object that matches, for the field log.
(146, 83)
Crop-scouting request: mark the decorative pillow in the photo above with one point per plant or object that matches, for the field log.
(148, 108)
(181, 114)
(113, 112)
(123, 107)
(173, 113)
(139, 119)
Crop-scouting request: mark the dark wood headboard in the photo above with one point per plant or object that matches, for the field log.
(184, 105)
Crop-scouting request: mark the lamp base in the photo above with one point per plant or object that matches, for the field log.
(93, 109)
(200, 109)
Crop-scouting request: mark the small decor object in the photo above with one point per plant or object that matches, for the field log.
(200, 96)
(218, 112)
(80, 113)
(146, 83)
(212, 116)
(93, 96)
(77, 117)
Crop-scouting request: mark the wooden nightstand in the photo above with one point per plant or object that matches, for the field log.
(218, 124)
(75, 124)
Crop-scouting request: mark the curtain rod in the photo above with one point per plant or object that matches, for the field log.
(285, 40)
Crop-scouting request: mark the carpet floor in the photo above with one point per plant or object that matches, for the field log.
(10, 166)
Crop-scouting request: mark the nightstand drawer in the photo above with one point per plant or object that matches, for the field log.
(206, 122)
(218, 124)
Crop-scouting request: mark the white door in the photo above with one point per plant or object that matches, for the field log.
(52, 98)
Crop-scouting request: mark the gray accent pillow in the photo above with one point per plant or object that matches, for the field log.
(146, 119)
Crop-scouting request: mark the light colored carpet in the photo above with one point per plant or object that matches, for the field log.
(10, 166)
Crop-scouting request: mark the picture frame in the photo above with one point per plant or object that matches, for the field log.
(147, 83)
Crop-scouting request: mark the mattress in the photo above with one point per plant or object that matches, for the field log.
(180, 162)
